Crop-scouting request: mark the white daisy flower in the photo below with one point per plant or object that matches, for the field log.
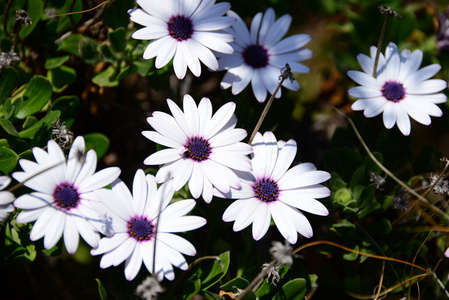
(184, 29)
(400, 90)
(60, 205)
(6, 198)
(271, 190)
(202, 149)
(135, 219)
(259, 55)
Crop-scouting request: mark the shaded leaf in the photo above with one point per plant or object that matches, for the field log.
(61, 77)
(97, 141)
(8, 82)
(101, 290)
(88, 51)
(69, 106)
(8, 160)
(34, 11)
(55, 62)
(37, 95)
(8, 127)
(46, 121)
(293, 290)
(70, 44)
(117, 39)
(218, 270)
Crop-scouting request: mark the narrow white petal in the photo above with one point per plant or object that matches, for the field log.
(296, 199)
(176, 242)
(100, 179)
(277, 30)
(166, 54)
(33, 201)
(232, 160)
(167, 126)
(305, 179)
(285, 158)
(421, 75)
(220, 176)
(182, 174)
(375, 106)
(160, 139)
(403, 120)
(220, 118)
(27, 216)
(180, 63)
(259, 90)
(71, 236)
(262, 222)
(427, 87)
(364, 79)
(290, 43)
(364, 92)
(163, 156)
(53, 232)
(389, 115)
(133, 264)
(107, 244)
(283, 218)
(196, 181)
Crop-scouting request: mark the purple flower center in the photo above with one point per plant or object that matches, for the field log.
(66, 196)
(393, 91)
(140, 228)
(256, 56)
(266, 190)
(180, 28)
(197, 148)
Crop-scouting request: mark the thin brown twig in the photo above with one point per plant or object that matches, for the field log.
(83, 11)
(381, 279)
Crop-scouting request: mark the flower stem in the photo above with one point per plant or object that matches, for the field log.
(285, 73)
(387, 11)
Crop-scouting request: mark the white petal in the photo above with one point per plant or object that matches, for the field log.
(297, 199)
(167, 126)
(220, 118)
(133, 264)
(403, 120)
(389, 115)
(100, 179)
(285, 158)
(71, 236)
(427, 87)
(176, 242)
(162, 157)
(262, 222)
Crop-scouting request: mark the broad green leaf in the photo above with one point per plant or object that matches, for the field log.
(88, 51)
(211, 296)
(101, 290)
(16, 106)
(191, 289)
(34, 11)
(70, 44)
(143, 67)
(106, 54)
(351, 256)
(61, 77)
(55, 62)
(117, 39)
(8, 127)
(37, 95)
(106, 78)
(8, 82)
(8, 160)
(293, 290)
(29, 121)
(97, 141)
(69, 106)
(218, 270)
(125, 72)
(232, 285)
(46, 121)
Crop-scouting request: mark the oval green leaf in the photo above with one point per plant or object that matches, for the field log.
(97, 141)
(36, 96)
(8, 159)
(8, 82)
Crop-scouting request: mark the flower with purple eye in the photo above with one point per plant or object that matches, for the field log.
(400, 89)
(259, 55)
(203, 150)
(61, 203)
(273, 191)
(144, 222)
(187, 31)
(6, 198)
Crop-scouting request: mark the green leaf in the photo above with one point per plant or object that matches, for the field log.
(69, 106)
(106, 54)
(61, 77)
(30, 121)
(34, 11)
(97, 141)
(191, 289)
(234, 284)
(46, 121)
(293, 290)
(101, 290)
(8, 82)
(351, 256)
(218, 270)
(8, 127)
(125, 72)
(37, 95)
(8, 160)
(116, 13)
(88, 51)
(106, 78)
(117, 39)
(70, 44)
(65, 22)
(55, 62)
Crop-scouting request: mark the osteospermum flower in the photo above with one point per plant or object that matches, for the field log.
(6, 198)
(144, 222)
(64, 188)
(185, 30)
(259, 55)
(271, 190)
(400, 90)
(203, 149)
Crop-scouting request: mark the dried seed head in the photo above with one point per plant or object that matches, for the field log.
(7, 58)
(61, 135)
(385, 10)
(440, 187)
(149, 289)
(282, 253)
(22, 17)
(377, 179)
